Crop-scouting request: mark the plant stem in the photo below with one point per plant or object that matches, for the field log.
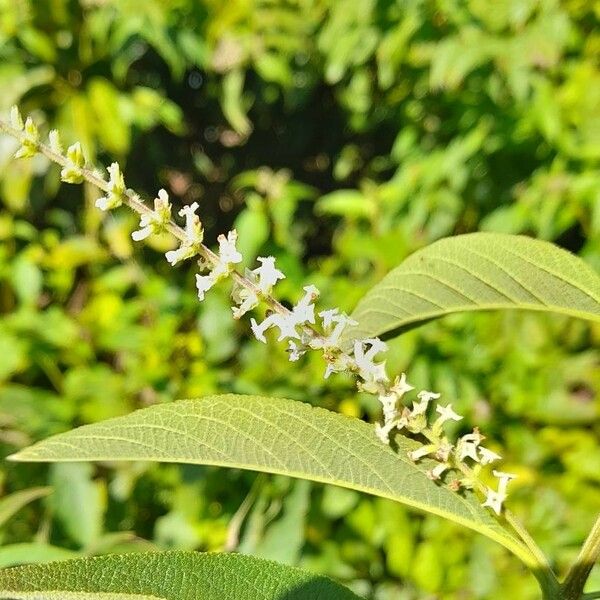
(580, 570)
(529, 552)
(526, 549)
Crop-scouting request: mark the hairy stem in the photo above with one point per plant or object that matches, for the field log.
(580, 571)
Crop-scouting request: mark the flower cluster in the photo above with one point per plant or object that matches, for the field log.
(422, 420)
(301, 326)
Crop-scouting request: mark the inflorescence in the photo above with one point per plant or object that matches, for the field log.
(302, 327)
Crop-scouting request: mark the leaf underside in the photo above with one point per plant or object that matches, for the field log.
(167, 576)
(274, 436)
(476, 272)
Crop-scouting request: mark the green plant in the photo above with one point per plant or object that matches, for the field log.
(408, 457)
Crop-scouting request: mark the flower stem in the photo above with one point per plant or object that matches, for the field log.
(581, 568)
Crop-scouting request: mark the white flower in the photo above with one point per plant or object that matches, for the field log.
(504, 479)
(228, 255)
(295, 350)
(267, 274)
(444, 449)
(157, 220)
(116, 189)
(334, 324)
(446, 414)
(248, 300)
(487, 456)
(72, 172)
(425, 397)
(337, 364)
(55, 143)
(401, 386)
(258, 329)
(304, 311)
(194, 234)
(203, 284)
(15, 118)
(466, 449)
(426, 450)
(264, 277)
(389, 403)
(287, 326)
(193, 227)
(383, 431)
(437, 471)
(467, 445)
(371, 372)
(227, 250)
(29, 145)
(495, 499)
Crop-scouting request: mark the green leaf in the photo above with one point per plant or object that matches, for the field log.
(11, 504)
(477, 271)
(168, 576)
(34, 552)
(275, 436)
(78, 502)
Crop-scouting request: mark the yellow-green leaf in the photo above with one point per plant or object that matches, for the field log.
(473, 272)
(275, 436)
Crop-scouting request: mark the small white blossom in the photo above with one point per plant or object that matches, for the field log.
(228, 255)
(334, 324)
(444, 449)
(295, 350)
(116, 189)
(29, 146)
(227, 250)
(155, 221)
(247, 301)
(420, 408)
(467, 445)
(383, 431)
(401, 386)
(194, 234)
(437, 471)
(55, 143)
(466, 449)
(72, 172)
(304, 311)
(419, 453)
(495, 499)
(446, 414)
(371, 372)
(258, 329)
(337, 364)
(15, 118)
(267, 274)
(203, 284)
(264, 277)
(287, 326)
(487, 456)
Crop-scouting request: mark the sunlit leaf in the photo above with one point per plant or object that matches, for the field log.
(167, 576)
(474, 272)
(275, 436)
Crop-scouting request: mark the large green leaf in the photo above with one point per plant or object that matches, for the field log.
(478, 271)
(276, 436)
(168, 576)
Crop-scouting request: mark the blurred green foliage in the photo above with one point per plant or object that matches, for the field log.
(338, 136)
